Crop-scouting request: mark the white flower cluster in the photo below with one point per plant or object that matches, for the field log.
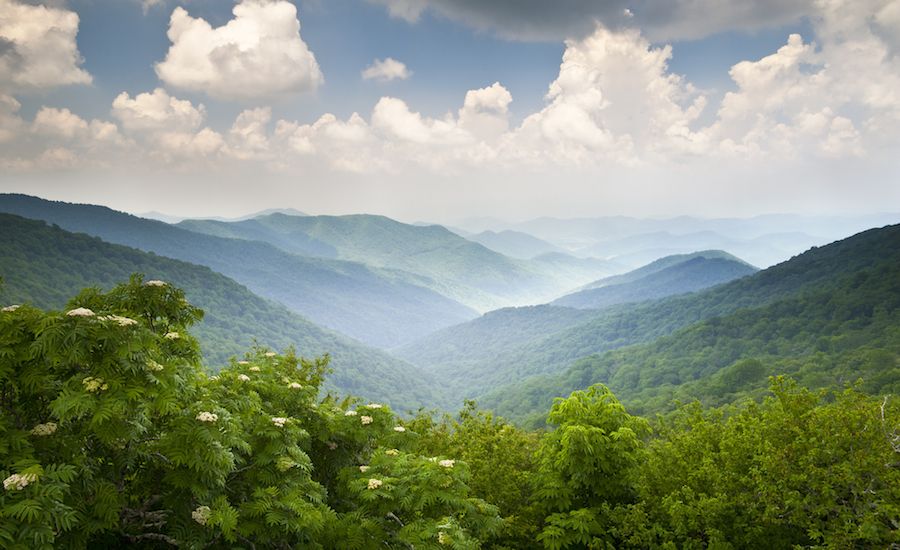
(243, 378)
(44, 429)
(9, 309)
(119, 320)
(279, 421)
(399, 429)
(350, 413)
(295, 386)
(243, 362)
(94, 385)
(365, 420)
(155, 283)
(373, 406)
(443, 538)
(172, 336)
(201, 514)
(80, 312)
(206, 416)
(154, 366)
(253, 369)
(270, 354)
(363, 469)
(17, 482)
(392, 452)
(375, 483)
(332, 445)
(447, 463)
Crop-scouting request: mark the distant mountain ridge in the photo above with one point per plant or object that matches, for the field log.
(467, 375)
(46, 266)
(688, 275)
(383, 308)
(453, 266)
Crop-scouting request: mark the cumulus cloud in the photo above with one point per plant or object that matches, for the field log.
(10, 122)
(573, 19)
(157, 110)
(485, 112)
(38, 48)
(258, 54)
(384, 70)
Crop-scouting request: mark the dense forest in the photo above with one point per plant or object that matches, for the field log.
(112, 433)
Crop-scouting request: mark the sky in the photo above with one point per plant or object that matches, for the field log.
(441, 110)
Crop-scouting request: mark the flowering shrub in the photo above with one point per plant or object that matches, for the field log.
(112, 435)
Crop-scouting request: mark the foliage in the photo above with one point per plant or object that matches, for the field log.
(111, 434)
(44, 266)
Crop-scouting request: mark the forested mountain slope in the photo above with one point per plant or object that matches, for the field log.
(447, 263)
(624, 325)
(686, 276)
(515, 244)
(45, 266)
(383, 308)
(829, 336)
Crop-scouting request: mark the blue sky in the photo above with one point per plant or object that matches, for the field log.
(760, 106)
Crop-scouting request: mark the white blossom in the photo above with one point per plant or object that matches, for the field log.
(201, 514)
(375, 483)
(270, 354)
(253, 369)
(332, 445)
(206, 416)
(154, 366)
(447, 463)
(399, 429)
(365, 420)
(155, 283)
(243, 362)
(392, 452)
(172, 336)
(243, 378)
(44, 429)
(10, 308)
(363, 469)
(119, 320)
(80, 312)
(294, 386)
(279, 421)
(93, 385)
(374, 405)
(350, 413)
(443, 538)
(17, 482)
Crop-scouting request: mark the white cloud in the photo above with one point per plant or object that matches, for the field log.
(385, 70)
(38, 48)
(10, 122)
(157, 111)
(258, 54)
(248, 138)
(59, 122)
(485, 112)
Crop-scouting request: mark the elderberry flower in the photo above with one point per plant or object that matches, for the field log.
(9, 309)
(350, 413)
(279, 421)
(172, 336)
(375, 483)
(447, 463)
(80, 312)
(17, 482)
(201, 514)
(243, 378)
(399, 429)
(365, 420)
(155, 283)
(294, 386)
(206, 416)
(44, 429)
(363, 469)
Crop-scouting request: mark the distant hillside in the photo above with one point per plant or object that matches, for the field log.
(625, 325)
(383, 308)
(827, 336)
(515, 244)
(659, 265)
(689, 275)
(444, 262)
(46, 266)
(477, 341)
